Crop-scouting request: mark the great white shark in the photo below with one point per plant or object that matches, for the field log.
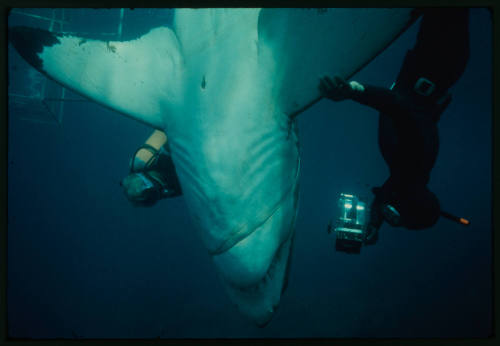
(226, 85)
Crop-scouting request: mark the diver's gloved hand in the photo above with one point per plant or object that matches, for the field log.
(337, 89)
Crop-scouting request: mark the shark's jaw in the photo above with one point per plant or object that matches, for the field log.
(255, 270)
(237, 157)
(259, 301)
(247, 220)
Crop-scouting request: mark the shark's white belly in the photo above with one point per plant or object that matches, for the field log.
(235, 152)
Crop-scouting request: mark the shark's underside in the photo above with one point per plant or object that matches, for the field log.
(225, 86)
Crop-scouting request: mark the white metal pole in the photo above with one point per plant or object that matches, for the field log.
(120, 24)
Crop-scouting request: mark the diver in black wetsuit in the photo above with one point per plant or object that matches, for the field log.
(409, 112)
(152, 173)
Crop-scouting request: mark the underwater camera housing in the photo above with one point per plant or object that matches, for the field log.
(349, 228)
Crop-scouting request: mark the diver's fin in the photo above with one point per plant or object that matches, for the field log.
(116, 74)
(303, 52)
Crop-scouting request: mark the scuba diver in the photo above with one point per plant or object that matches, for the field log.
(152, 173)
(409, 113)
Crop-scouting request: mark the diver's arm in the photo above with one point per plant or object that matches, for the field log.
(381, 99)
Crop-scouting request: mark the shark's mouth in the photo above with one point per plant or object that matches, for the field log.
(259, 301)
(254, 283)
(271, 270)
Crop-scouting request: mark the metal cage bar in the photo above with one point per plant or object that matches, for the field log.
(45, 104)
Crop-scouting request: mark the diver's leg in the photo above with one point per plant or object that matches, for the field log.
(443, 43)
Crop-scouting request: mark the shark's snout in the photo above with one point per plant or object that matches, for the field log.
(255, 270)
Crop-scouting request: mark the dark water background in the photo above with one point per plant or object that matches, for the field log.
(82, 262)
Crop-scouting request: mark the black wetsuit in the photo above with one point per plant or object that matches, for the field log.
(408, 134)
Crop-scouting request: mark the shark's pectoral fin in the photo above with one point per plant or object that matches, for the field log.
(139, 78)
(306, 44)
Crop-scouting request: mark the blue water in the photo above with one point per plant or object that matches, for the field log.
(82, 262)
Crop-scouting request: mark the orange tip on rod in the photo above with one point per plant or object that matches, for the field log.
(464, 221)
(460, 220)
